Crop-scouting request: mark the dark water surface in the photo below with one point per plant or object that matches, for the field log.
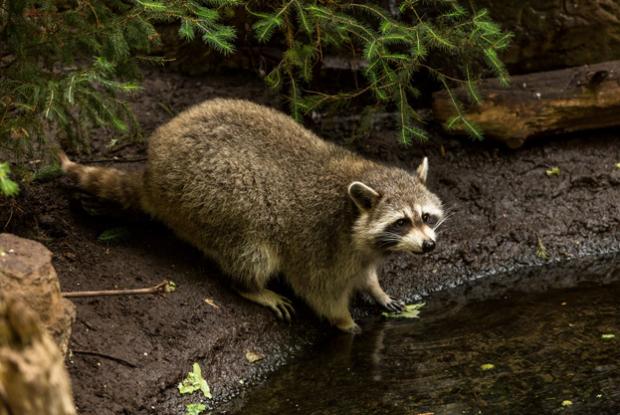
(546, 349)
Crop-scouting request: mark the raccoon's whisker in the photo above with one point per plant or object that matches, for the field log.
(388, 238)
(445, 218)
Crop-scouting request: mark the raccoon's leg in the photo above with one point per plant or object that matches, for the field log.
(339, 315)
(251, 270)
(373, 287)
(330, 302)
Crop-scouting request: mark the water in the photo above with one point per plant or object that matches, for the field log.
(546, 349)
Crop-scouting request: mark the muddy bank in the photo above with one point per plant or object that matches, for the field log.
(503, 204)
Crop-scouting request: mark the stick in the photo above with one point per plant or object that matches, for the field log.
(105, 356)
(165, 286)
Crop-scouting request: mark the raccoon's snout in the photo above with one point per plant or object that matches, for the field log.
(428, 245)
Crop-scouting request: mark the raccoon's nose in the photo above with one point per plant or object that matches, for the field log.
(428, 245)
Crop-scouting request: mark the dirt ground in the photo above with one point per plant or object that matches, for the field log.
(129, 353)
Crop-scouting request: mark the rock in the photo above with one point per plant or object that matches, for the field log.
(27, 274)
(33, 379)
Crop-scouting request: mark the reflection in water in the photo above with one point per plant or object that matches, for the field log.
(546, 348)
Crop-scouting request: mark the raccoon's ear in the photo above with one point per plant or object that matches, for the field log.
(422, 170)
(364, 197)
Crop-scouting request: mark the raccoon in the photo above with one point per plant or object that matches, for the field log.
(263, 196)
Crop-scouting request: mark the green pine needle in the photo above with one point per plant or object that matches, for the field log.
(8, 187)
(74, 68)
(186, 30)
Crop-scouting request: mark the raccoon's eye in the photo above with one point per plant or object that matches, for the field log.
(401, 222)
(429, 219)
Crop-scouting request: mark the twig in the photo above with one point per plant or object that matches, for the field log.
(114, 160)
(105, 356)
(165, 286)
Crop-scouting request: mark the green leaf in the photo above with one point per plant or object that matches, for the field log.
(295, 99)
(186, 30)
(371, 50)
(103, 65)
(205, 13)
(411, 311)
(301, 56)
(541, 251)
(8, 187)
(154, 6)
(47, 173)
(434, 36)
(303, 18)
(223, 3)
(274, 78)
(129, 86)
(487, 366)
(608, 336)
(114, 234)
(553, 171)
(195, 382)
(472, 129)
(471, 86)
(220, 38)
(265, 27)
(170, 287)
(195, 408)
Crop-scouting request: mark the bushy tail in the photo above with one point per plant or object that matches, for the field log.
(120, 186)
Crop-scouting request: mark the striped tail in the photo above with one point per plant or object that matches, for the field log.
(120, 186)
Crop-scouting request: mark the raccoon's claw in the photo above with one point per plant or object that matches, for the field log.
(396, 306)
(284, 309)
(280, 305)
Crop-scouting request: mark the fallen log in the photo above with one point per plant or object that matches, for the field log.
(541, 103)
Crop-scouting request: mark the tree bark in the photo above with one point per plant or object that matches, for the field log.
(541, 103)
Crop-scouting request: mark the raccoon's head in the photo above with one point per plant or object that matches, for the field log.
(397, 213)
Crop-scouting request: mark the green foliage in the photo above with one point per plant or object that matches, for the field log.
(194, 382)
(7, 186)
(410, 311)
(195, 408)
(47, 173)
(114, 235)
(395, 50)
(66, 67)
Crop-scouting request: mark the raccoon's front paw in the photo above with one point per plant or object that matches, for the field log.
(395, 306)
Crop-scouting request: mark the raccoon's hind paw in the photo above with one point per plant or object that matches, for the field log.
(280, 305)
(396, 306)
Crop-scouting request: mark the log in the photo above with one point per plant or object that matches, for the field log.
(541, 103)
(33, 378)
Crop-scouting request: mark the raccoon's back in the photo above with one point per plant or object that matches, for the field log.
(243, 165)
